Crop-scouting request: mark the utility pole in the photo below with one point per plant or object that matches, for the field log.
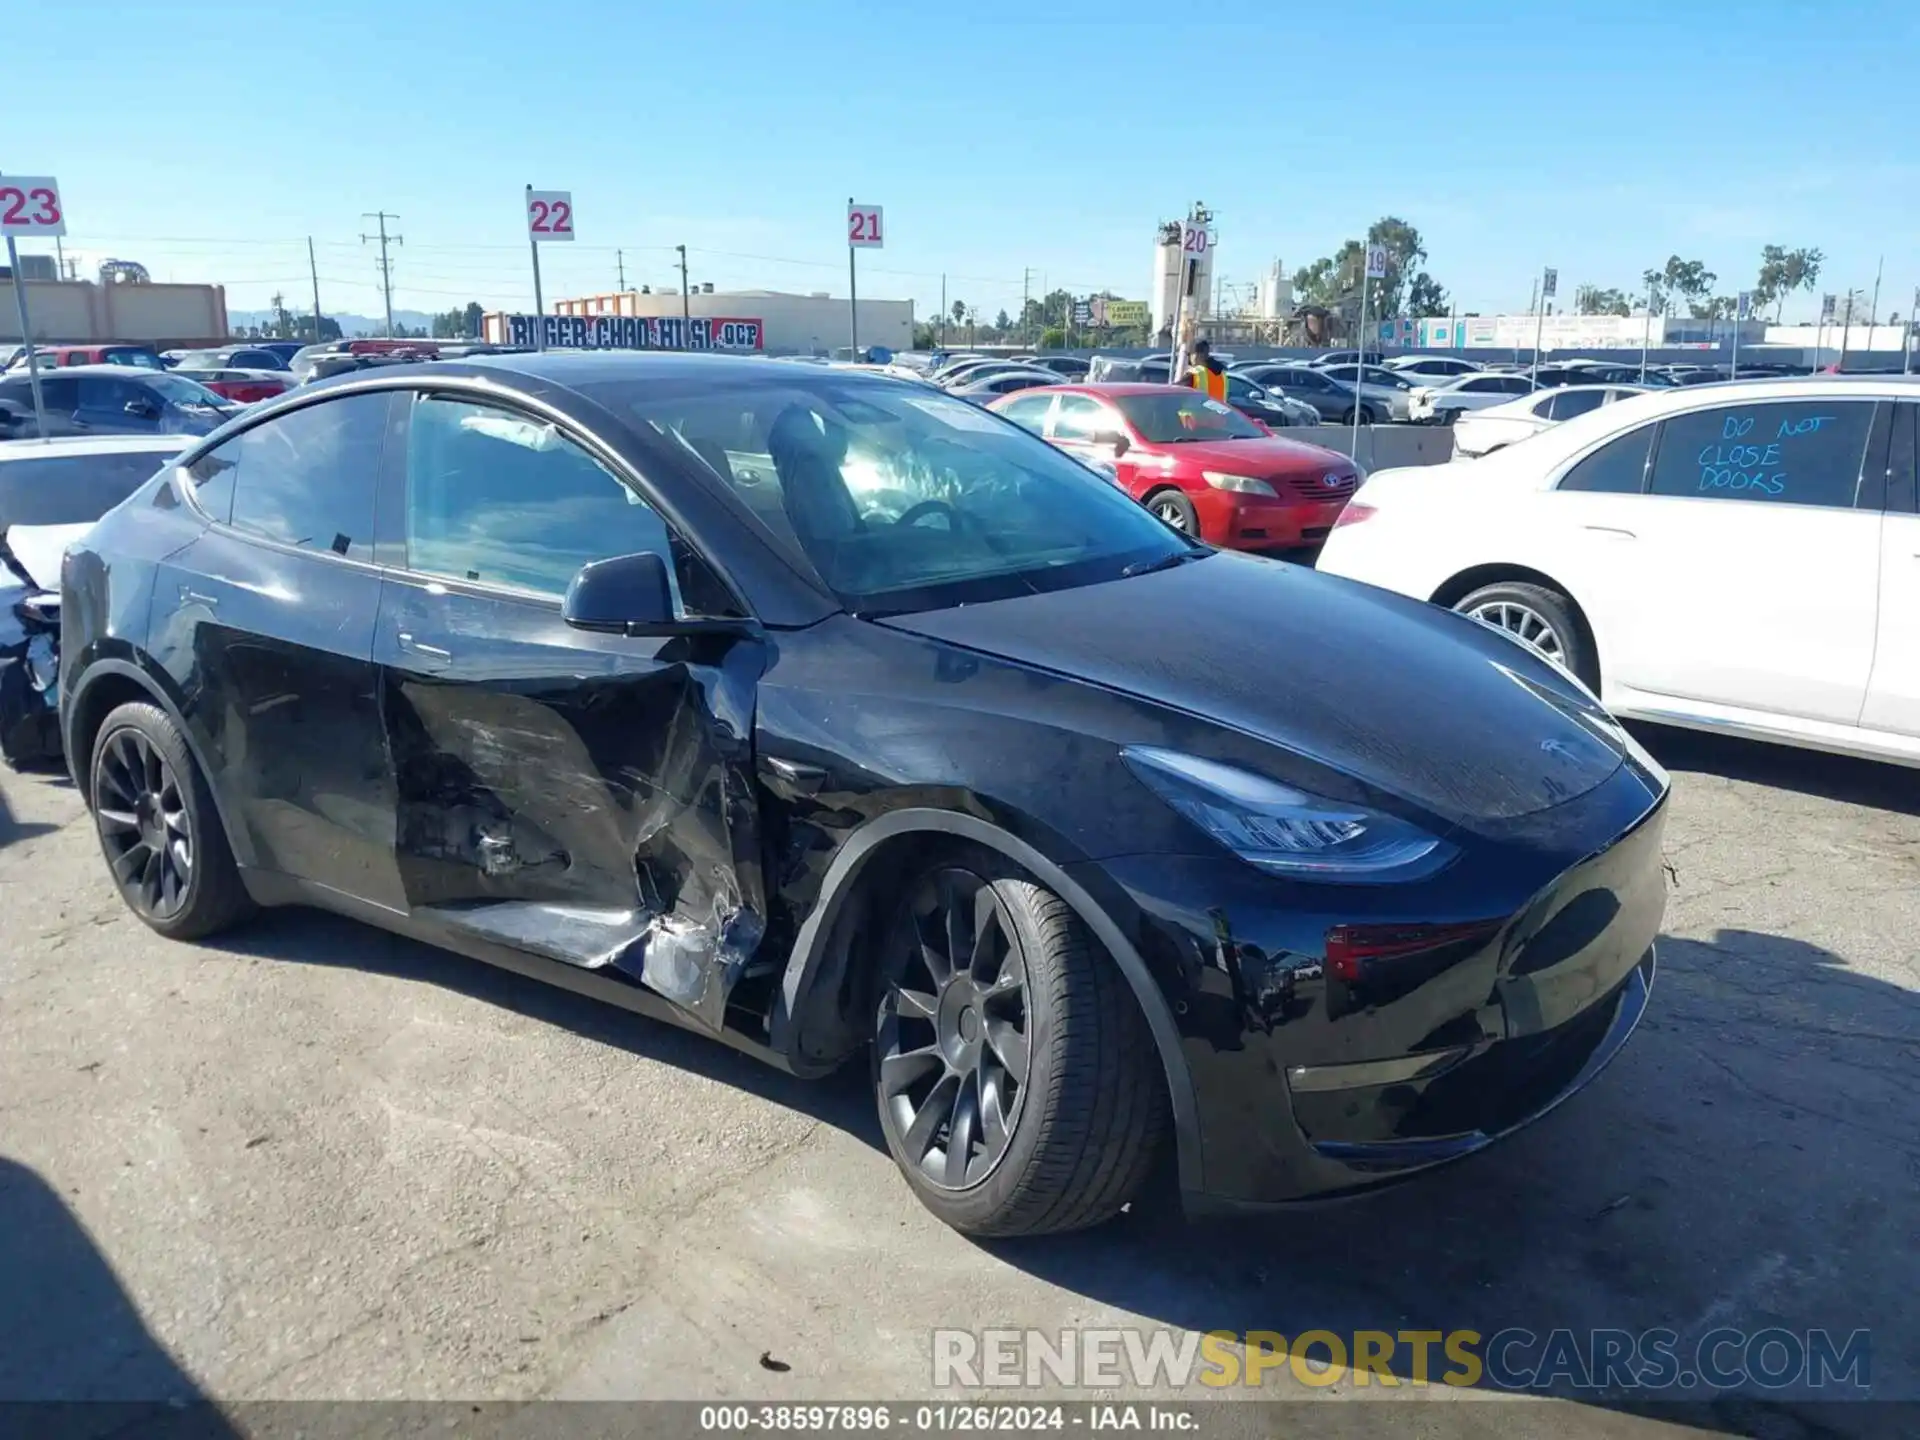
(1873, 315)
(620, 263)
(386, 267)
(60, 260)
(1645, 336)
(686, 305)
(1026, 281)
(313, 272)
(943, 328)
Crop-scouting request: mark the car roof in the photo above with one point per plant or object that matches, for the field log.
(67, 372)
(92, 445)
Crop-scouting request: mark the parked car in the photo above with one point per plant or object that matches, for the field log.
(905, 738)
(1199, 464)
(231, 357)
(1444, 404)
(61, 356)
(1431, 367)
(1331, 400)
(119, 400)
(1611, 543)
(243, 387)
(1481, 432)
(51, 492)
(1003, 382)
(1269, 407)
(1382, 388)
(967, 372)
(1071, 366)
(1345, 357)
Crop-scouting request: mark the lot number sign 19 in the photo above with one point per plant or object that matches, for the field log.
(550, 215)
(30, 206)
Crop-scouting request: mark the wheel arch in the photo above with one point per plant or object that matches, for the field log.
(103, 687)
(1463, 584)
(822, 949)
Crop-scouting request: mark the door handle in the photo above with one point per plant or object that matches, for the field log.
(1613, 530)
(191, 596)
(430, 654)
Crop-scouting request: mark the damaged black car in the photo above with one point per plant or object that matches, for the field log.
(840, 720)
(51, 492)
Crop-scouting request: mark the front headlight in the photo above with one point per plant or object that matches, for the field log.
(1239, 484)
(1288, 832)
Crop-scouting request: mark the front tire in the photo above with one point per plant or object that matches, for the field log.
(1543, 619)
(164, 844)
(1175, 510)
(1019, 1088)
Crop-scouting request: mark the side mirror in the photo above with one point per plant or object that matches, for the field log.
(631, 595)
(1118, 441)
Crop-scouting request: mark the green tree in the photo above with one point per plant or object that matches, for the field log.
(1679, 280)
(1782, 272)
(1334, 281)
(1053, 338)
(1425, 297)
(959, 312)
(476, 319)
(1593, 300)
(1002, 322)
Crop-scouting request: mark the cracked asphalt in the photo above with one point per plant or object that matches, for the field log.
(319, 1162)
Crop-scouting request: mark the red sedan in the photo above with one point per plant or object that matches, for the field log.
(243, 386)
(1200, 465)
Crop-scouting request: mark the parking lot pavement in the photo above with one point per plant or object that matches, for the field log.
(316, 1161)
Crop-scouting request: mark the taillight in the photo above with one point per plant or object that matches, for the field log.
(1353, 514)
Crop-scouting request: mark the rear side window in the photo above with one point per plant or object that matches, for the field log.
(501, 499)
(1029, 412)
(1566, 405)
(306, 478)
(1797, 452)
(72, 489)
(1618, 467)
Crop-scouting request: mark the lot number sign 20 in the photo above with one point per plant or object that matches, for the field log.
(864, 230)
(550, 214)
(30, 206)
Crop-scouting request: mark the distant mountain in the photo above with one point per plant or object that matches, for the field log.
(350, 325)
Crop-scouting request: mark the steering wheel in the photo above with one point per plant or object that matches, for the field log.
(930, 507)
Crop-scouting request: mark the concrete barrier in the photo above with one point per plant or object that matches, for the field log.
(1381, 446)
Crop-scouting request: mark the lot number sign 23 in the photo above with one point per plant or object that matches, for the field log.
(30, 206)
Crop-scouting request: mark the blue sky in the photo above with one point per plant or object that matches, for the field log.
(209, 139)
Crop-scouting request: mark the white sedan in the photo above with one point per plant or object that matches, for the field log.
(1481, 432)
(1742, 558)
(1447, 401)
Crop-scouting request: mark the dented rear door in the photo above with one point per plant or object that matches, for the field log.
(580, 796)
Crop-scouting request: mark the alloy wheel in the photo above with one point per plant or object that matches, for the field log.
(141, 811)
(1525, 624)
(954, 1040)
(1172, 514)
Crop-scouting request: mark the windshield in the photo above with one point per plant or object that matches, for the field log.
(72, 489)
(899, 498)
(178, 390)
(1173, 417)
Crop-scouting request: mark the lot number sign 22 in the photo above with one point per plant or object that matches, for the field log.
(30, 206)
(550, 214)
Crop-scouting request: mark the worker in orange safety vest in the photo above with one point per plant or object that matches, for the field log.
(1207, 374)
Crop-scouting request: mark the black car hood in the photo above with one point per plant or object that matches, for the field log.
(1403, 696)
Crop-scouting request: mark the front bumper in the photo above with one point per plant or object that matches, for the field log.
(1252, 522)
(1313, 1080)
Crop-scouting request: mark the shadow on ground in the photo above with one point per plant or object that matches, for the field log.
(1845, 778)
(76, 1359)
(13, 829)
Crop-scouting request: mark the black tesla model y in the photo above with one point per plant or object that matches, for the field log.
(834, 717)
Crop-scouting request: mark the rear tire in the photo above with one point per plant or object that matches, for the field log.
(1174, 510)
(1544, 619)
(159, 831)
(1032, 1049)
